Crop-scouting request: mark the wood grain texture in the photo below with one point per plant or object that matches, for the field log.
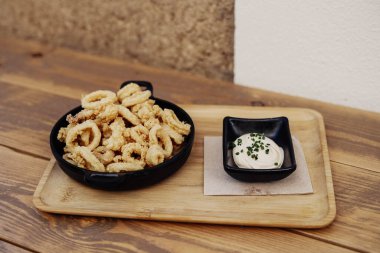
(24, 225)
(58, 76)
(27, 118)
(180, 197)
(10, 248)
(358, 209)
(60, 70)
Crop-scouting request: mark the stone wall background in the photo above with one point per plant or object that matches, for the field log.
(195, 35)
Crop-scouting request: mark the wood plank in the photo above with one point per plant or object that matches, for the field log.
(10, 248)
(21, 223)
(27, 117)
(38, 142)
(358, 209)
(61, 69)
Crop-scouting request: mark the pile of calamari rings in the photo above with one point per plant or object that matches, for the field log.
(123, 131)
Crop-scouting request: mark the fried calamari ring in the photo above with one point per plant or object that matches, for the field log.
(139, 134)
(156, 133)
(145, 111)
(98, 98)
(151, 123)
(128, 90)
(104, 155)
(85, 137)
(136, 98)
(167, 142)
(157, 110)
(62, 133)
(169, 117)
(109, 113)
(117, 159)
(119, 167)
(137, 107)
(116, 140)
(67, 158)
(128, 115)
(155, 155)
(92, 163)
(153, 134)
(106, 130)
(79, 129)
(176, 137)
(81, 116)
(128, 150)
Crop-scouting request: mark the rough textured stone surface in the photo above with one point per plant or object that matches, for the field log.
(195, 36)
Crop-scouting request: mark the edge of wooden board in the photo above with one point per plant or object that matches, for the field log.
(37, 201)
(320, 223)
(330, 216)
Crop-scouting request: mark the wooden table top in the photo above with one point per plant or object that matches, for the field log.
(40, 83)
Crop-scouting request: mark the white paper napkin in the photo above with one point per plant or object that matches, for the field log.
(218, 182)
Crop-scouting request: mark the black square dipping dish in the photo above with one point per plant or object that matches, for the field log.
(275, 128)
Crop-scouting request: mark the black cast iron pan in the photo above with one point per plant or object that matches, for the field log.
(125, 180)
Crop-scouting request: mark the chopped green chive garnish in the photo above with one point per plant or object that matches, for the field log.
(255, 147)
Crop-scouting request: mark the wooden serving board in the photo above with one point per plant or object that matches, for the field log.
(180, 197)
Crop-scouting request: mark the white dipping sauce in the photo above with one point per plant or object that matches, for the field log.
(256, 151)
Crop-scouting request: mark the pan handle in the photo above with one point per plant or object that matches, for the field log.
(103, 180)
